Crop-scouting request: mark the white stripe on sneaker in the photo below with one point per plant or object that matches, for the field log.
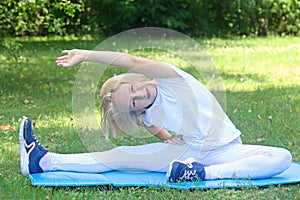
(31, 146)
(187, 174)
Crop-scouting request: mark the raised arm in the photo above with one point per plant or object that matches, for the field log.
(137, 64)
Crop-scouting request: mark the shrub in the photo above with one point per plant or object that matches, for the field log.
(40, 17)
(193, 17)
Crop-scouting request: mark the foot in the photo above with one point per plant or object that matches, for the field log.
(30, 149)
(187, 170)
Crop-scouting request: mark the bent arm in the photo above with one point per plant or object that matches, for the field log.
(165, 136)
(137, 64)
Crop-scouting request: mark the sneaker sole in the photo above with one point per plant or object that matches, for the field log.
(23, 153)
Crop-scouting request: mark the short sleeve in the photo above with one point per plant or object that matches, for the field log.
(145, 121)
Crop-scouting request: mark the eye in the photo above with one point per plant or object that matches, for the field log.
(132, 90)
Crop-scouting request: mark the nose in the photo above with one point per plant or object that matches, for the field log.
(138, 92)
(138, 95)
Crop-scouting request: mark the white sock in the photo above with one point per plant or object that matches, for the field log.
(45, 162)
(207, 173)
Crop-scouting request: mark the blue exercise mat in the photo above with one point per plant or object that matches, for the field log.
(155, 179)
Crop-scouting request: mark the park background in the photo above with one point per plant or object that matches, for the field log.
(192, 17)
(255, 45)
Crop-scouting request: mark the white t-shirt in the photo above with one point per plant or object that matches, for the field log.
(184, 106)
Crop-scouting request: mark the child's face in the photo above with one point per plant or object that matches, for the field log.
(135, 96)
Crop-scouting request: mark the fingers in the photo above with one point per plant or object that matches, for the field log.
(62, 64)
(62, 61)
(175, 140)
(70, 58)
(61, 58)
(65, 51)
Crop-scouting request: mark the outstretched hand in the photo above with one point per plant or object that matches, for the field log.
(175, 140)
(70, 58)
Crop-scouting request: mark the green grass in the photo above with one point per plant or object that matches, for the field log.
(261, 77)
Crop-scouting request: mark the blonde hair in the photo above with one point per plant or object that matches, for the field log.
(115, 121)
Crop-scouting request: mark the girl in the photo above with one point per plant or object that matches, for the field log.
(206, 144)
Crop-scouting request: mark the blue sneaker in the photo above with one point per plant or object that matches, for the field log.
(30, 149)
(187, 170)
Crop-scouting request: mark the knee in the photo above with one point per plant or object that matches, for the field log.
(284, 159)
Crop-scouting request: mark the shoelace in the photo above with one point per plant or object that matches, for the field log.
(188, 173)
(35, 140)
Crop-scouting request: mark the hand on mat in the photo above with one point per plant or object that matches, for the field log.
(70, 59)
(175, 139)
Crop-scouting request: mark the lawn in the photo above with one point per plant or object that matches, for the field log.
(261, 77)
